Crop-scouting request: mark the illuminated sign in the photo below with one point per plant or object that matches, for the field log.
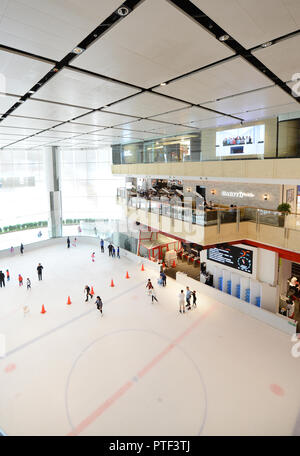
(238, 194)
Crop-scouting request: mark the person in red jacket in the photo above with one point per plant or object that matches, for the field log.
(20, 280)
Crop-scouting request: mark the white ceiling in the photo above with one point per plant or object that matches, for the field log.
(73, 87)
(52, 111)
(112, 90)
(103, 119)
(155, 43)
(228, 78)
(13, 65)
(253, 22)
(50, 28)
(6, 102)
(263, 98)
(283, 58)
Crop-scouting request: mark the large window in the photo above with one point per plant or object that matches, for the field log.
(88, 187)
(23, 192)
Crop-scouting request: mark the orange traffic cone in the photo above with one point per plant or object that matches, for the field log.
(92, 291)
(69, 300)
(142, 268)
(127, 275)
(112, 283)
(43, 311)
(174, 264)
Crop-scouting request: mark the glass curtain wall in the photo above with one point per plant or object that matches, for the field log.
(24, 198)
(88, 185)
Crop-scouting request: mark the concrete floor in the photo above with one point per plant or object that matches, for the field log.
(142, 368)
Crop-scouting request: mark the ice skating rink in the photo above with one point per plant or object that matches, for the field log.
(142, 368)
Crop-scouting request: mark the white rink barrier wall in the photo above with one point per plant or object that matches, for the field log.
(284, 324)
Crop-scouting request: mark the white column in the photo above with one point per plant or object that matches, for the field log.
(53, 186)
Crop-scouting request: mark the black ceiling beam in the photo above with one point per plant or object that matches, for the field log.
(191, 10)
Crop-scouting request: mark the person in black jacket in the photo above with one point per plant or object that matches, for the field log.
(21, 248)
(2, 279)
(40, 270)
(68, 242)
(87, 290)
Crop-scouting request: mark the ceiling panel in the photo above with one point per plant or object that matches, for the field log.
(269, 112)
(186, 116)
(256, 22)
(229, 78)
(70, 86)
(6, 102)
(17, 131)
(27, 122)
(174, 130)
(142, 125)
(146, 105)
(141, 135)
(51, 111)
(103, 119)
(12, 65)
(51, 28)
(282, 58)
(5, 137)
(220, 121)
(264, 98)
(53, 134)
(73, 127)
(155, 43)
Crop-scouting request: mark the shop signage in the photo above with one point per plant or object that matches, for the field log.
(238, 194)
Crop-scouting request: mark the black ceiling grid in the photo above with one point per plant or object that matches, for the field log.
(187, 8)
(106, 25)
(191, 10)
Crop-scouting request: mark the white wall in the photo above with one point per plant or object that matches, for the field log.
(267, 266)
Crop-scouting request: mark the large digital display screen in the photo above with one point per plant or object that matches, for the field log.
(241, 141)
(234, 257)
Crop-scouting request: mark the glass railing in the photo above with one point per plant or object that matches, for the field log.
(215, 216)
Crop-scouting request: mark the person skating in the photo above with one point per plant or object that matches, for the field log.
(102, 245)
(181, 300)
(113, 252)
(188, 298)
(40, 271)
(7, 275)
(21, 248)
(87, 290)
(110, 247)
(26, 308)
(2, 279)
(75, 242)
(164, 278)
(194, 299)
(99, 304)
(20, 279)
(93, 257)
(68, 242)
(153, 295)
(118, 252)
(28, 283)
(149, 286)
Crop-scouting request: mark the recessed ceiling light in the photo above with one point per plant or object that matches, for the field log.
(123, 11)
(31, 91)
(163, 83)
(21, 101)
(267, 44)
(78, 50)
(224, 37)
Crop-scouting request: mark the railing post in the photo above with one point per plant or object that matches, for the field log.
(218, 221)
(257, 220)
(238, 219)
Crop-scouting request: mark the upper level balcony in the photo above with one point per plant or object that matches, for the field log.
(217, 225)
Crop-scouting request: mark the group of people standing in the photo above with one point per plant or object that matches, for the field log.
(20, 278)
(112, 251)
(185, 300)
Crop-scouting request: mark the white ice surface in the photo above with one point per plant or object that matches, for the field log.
(142, 368)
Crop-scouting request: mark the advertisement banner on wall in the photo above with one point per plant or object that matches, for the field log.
(241, 141)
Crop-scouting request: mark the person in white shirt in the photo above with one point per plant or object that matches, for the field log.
(181, 298)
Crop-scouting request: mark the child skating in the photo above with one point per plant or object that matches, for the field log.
(28, 283)
(93, 257)
(20, 279)
(7, 275)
